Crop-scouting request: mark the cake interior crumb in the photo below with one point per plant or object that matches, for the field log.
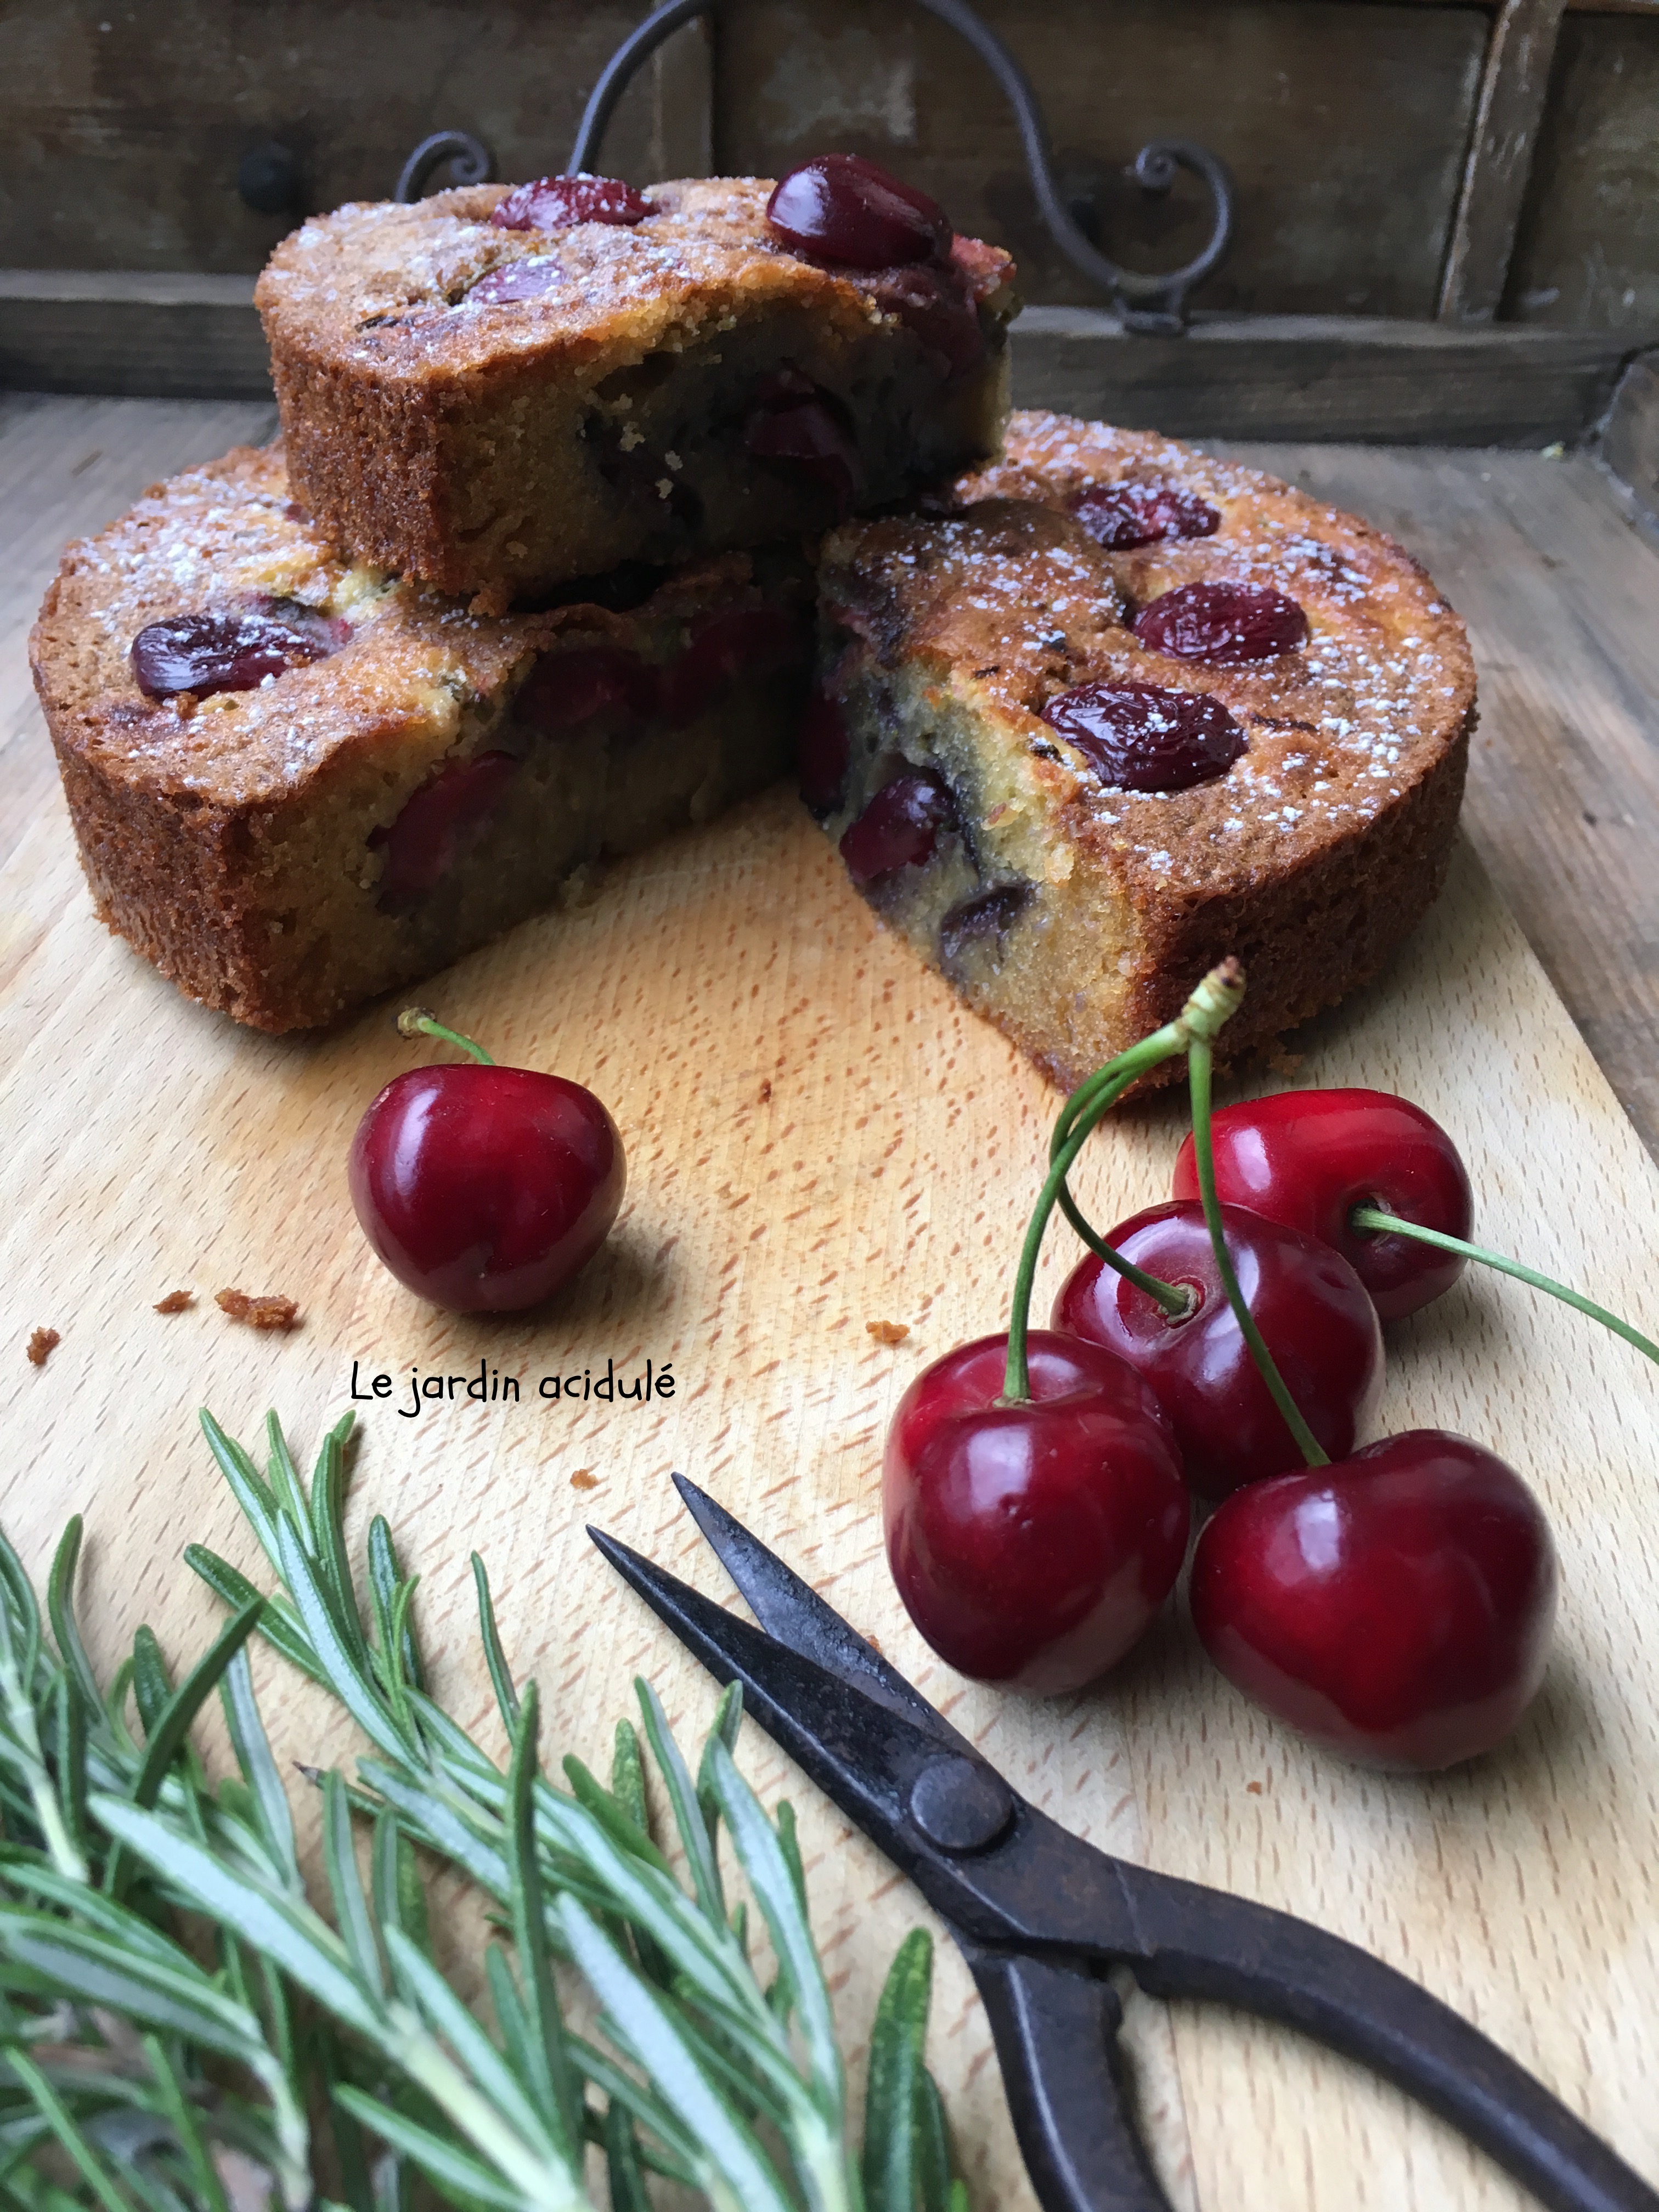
(268, 1311)
(583, 1480)
(41, 1342)
(175, 1301)
(888, 1332)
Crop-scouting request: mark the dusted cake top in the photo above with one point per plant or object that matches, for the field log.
(1015, 601)
(227, 541)
(439, 287)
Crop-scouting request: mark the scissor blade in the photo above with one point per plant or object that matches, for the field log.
(793, 1612)
(861, 1754)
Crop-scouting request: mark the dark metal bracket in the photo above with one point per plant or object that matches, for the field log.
(1153, 303)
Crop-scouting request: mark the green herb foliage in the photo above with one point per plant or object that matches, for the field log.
(176, 2014)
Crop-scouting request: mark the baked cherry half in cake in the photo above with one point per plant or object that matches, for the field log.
(555, 203)
(900, 826)
(236, 650)
(841, 208)
(1223, 622)
(1120, 516)
(1141, 737)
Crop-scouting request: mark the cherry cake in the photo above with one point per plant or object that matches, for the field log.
(494, 391)
(297, 782)
(1114, 710)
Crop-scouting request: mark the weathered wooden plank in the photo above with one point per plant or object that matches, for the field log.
(177, 336)
(1319, 377)
(1344, 125)
(1630, 436)
(1587, 253)
(1514, 86)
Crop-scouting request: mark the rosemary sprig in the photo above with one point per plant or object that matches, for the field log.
(132, 2073)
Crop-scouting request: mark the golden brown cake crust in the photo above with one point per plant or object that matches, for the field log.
(1320, 847)
(414, 413)
(204, 826)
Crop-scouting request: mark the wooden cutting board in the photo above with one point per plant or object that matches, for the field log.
(818, 1140)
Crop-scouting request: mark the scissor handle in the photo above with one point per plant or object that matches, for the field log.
(1200, 1943)
(1055, 2032)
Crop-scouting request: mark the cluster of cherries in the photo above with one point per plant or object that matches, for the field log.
(1393, 1600)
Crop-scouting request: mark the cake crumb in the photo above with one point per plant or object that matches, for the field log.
(269, 1312)
(1254, 1789)
(41, 1343)
(888, 1332)
(1280, 1062)
(175, 1301)
(583, 1480)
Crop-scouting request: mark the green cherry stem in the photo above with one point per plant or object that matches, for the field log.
(1372, 1219)
(1216, 997)
(415, 1021)
(1199, 1063)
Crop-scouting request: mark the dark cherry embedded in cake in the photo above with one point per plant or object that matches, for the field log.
(1108, 710)
(899, 828)
(841, 208)
(1223, 621)
(1123, 515)
(555, 203)
(234, 649)
(1141, 737)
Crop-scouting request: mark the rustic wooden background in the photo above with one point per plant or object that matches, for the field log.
(1348, 123)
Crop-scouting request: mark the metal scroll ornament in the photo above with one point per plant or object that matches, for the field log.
(1156, 304)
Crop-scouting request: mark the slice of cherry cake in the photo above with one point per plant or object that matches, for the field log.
(1117, 710)
(296, 781)
(496, 391)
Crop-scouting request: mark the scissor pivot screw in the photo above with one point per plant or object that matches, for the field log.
(960, 1805)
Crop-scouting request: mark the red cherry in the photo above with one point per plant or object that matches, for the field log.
(752, 641)
(1396, 1606)
(1222, 622)
(809, 435)
(514, 280)
(424, 843)
(556, 202)
(235, 651)
(939, 311)
(1308, 1157)
(1032, 1543)
(822, 751)
(841, 208)
(900, 826)
(1141, 738)
(485, 1188)
(1309, 1305)
(1121, 515)
(565, 690)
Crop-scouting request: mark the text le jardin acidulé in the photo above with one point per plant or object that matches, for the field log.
(489, 1386)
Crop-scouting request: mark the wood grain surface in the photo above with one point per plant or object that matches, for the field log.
(819, 1138)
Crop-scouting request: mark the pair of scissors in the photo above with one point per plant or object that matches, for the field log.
(1041, 1916)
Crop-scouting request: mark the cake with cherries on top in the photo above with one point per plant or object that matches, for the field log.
(1114, 710)
(296, 780)
(494, 391)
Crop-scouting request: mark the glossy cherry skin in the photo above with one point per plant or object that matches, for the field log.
(236, 650)
(900, 826)
(843, 209)
(1223, 622)
(1309, 1305)
(555, 203)
(1121, 515)
(1140, 737)
(485, 1189)
(1395, 1606)
(1308, 1157)
(1032, 1544)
